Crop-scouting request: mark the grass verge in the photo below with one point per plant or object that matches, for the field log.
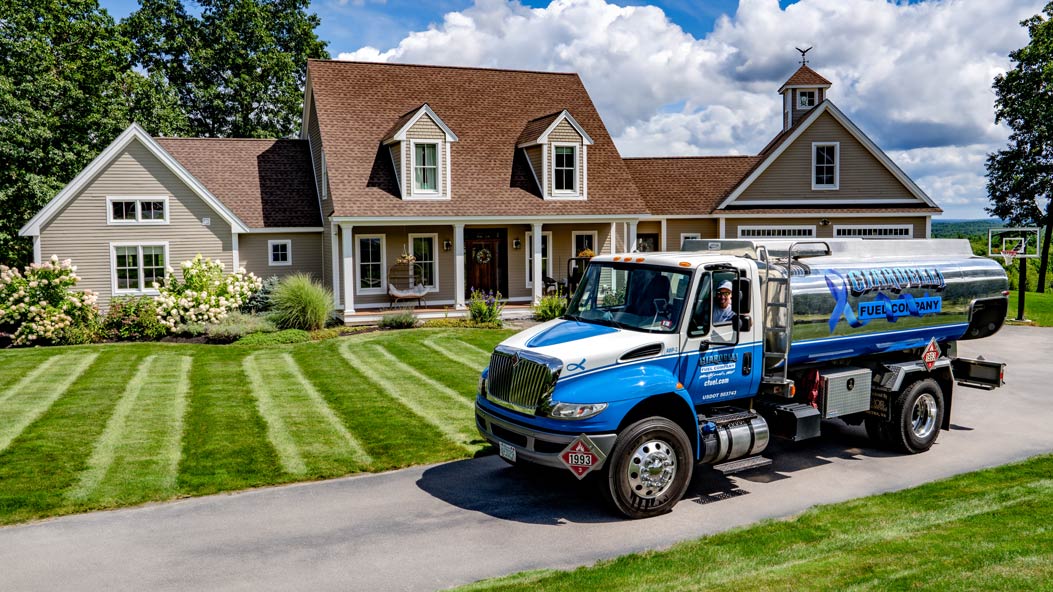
(989, 530)
(103, 426)
(1038, 308)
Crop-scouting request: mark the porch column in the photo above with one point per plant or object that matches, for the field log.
(614, 238)
(535, 247)
(665, 238)
(458, 271)
(348, 272)
(334, 255)
(630, 236)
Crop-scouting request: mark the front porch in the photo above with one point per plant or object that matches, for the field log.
(511, 312)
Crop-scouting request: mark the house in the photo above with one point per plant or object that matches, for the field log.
(492, 179)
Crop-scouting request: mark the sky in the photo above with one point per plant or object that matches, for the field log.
(682, 77)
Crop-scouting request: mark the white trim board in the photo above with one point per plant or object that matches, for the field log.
(88, 174)
(425, 109)
(564, 115)
(828, 107)
(286, 230)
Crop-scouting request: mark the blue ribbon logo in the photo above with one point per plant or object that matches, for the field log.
(576, 366)
(881, 307)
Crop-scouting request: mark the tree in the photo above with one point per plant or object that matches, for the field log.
(239, 67)
(1021, 175)
(67, 88)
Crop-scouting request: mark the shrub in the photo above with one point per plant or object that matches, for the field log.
(133, 319)
(551, 306)
(205, 294)
(299, 303)
(485, 307)
(278, 337)
(458, 324)
(331, 332)
(260, 300)
(237, 325)
(39, 306)
(190, 329)
(398, 320)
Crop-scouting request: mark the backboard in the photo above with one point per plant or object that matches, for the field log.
(1013, 242)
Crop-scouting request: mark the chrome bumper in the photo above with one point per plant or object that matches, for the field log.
(542, 448)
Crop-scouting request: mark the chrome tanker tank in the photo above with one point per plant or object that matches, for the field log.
(855, 297)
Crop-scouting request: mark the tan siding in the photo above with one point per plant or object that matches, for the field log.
(565, 132)
(707, 227)
(862, 176)
(517, 267)
(425, 129)
(306, 255)
(80, 231)
(396, 241)
(315, 136)
(732, 224)
(917, 222)
(535, 157)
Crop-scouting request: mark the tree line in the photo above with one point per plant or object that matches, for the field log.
(72, 78)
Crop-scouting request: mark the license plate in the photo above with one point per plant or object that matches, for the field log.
(506, 451)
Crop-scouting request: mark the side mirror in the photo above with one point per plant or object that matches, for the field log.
(745, 323)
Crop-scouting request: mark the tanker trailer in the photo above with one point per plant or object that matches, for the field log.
(665, 360)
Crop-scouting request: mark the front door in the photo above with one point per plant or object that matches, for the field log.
(482, 264)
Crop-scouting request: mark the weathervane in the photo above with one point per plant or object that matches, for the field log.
(804, 58)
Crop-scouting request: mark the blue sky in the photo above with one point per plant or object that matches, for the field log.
(681, 77)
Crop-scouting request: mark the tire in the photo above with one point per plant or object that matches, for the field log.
(657, 442)
(917, 414)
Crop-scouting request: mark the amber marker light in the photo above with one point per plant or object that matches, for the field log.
(685, 264)
(639, 259)
(617, 258)
(680, 385)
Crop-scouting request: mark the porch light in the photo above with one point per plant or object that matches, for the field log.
(516, 243)
(446, 244)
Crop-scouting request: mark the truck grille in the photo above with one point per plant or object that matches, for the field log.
(520, 380)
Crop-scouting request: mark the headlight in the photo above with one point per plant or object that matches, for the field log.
(575, 410)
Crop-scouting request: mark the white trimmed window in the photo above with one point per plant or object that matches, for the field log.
(135, 267)
(685, 236)
(546, 260)
(874, 230)
(137, 210)
(826, 165)
(372, 274)
(280, 252)
(585, 239)
(565, 168)
(424, 251)
(806, 99)
(425, 167)
(776, 231)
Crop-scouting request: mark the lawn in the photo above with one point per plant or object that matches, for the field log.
(989, 530)
(1038, 308)
(92, 427)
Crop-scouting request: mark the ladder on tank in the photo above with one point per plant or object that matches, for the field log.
(778, 319)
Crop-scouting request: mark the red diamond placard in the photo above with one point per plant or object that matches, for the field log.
(931, 354)
(581, 456)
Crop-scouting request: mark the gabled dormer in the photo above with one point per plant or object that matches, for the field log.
(800, 94)
(556, 146)
(419, 144)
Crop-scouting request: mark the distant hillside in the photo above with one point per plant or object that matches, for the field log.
(964, 228)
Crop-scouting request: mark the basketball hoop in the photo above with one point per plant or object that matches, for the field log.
(1008, 256)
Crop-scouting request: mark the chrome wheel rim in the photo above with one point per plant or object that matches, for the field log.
(923, 416)
(652, 469)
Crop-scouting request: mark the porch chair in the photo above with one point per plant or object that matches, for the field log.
(406, 282)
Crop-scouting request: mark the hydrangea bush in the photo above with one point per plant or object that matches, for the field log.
(39, 306)
(206, 294)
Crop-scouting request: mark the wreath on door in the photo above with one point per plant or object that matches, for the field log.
(483, 256)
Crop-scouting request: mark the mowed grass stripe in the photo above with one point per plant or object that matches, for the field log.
(14, 366)
(321, 441)
(137, 456)
(467, 356)
(31, 397)
(393, 435)
(25, 380)
(277, 431)
(422, 379)
(456, 422)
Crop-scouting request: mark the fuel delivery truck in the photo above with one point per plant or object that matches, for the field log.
(667, 360)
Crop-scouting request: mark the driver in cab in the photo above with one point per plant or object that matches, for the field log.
(722, 312)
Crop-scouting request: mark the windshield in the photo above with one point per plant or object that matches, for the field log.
(633, 297)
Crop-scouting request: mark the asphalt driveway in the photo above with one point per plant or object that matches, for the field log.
(434, 527)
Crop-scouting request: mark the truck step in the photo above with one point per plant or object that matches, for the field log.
(743, 464)
(729, 415)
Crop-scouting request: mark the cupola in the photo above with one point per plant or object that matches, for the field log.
(802, 92)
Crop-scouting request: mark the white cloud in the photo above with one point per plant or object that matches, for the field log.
(917, 78)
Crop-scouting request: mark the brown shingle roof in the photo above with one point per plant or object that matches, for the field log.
(535, 127)
(834, 209)
(401, 122)
(688, 184)
(805, 76)
(356, 103)
(266, 183)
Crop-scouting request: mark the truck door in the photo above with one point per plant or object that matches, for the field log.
(721, 359)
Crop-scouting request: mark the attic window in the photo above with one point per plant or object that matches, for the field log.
(425, 167)
(565, 169)
(806, 99)
(825, 165)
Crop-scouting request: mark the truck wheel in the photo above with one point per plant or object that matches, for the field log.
(917, 414)
(649, 468)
